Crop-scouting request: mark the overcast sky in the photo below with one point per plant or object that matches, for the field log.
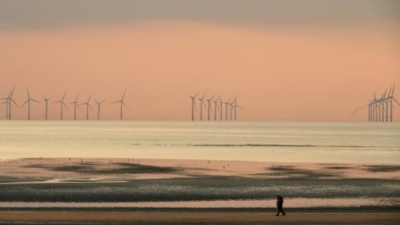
(40, 14)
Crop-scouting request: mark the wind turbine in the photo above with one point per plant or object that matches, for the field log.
(193, 103)
(6, 104)
(220, 109)
(75, 105)
(391, 103)
(10, 101)
(382, 102)
(216, 107)
(62, 104)
(236, 106)
(29, 103)
(98, 107)
(87, 106)
(46, 100)
(201, 105)
(226, 109)
(122, 104)
(376, 106)
(209, 106)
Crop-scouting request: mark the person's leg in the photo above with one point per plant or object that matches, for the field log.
(283, 212)
(277, 214)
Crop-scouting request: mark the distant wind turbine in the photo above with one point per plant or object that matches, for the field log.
(87, 106)
(382, 102)
(46, 109)
(220, 109)
(193, 98)
(209, 106)
(75, 103)
(29, 103)
(226, 109)
(216, 107)
(391, 98)
(201, 105)
(10, 101)
(62, 105)
(122, 103)
(98, 107)
(235, 106)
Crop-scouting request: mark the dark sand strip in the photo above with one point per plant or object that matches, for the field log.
(200, 217)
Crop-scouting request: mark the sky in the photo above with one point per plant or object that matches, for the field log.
(292, 60)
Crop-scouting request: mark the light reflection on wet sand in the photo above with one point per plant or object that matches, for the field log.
(270, 203)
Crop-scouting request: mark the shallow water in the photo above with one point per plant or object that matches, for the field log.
(249, 141)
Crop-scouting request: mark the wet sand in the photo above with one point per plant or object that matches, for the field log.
(103, 169)
(160, 218)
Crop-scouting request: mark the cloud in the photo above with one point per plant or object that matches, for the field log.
(44, 14)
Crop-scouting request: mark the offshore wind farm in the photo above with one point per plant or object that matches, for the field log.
(199, 112)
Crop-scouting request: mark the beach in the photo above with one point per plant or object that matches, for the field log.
(181, 173)
(199, 218)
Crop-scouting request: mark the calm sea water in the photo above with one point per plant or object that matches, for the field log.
(249, 141)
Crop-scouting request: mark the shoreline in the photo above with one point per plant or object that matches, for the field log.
(198, 218)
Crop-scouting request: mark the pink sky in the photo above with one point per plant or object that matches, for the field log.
(295, 73)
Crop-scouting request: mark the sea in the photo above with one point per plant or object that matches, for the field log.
(324, 142)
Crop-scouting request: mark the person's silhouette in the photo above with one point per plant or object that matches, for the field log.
(279, 205)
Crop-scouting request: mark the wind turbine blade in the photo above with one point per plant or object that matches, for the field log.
(95, 101)
(78, 106)
(239, 107)
(35, 100)
(384, 94)
(393, 89)
(212, 97)
(396, 101)
(14, 102)
(12, 91)
(202, 102)
(196, 94)
(123, 96)
(76, 100)
(63, 96)
(90, 106)
(126, 106)
(65, 105)
(89, 98)
(189, 95)
(27, 91)
(25, 103)
(116, 102)
(204, 94)
(102, 101)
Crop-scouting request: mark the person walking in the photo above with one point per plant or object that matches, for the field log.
(279, 205)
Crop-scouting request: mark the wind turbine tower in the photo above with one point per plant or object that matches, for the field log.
(98, 107)
(216, 107)
(46, 108)
(29, 103)
(220, 109)
(75, 105)
(87, 107)
(201, 105)
(62, 105)
(122, 103)
(11, 101)
(209, 106)
(193, 98)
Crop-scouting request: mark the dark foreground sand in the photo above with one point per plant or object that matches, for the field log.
(198, 217)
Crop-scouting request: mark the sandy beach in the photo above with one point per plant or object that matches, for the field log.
(200, 218)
